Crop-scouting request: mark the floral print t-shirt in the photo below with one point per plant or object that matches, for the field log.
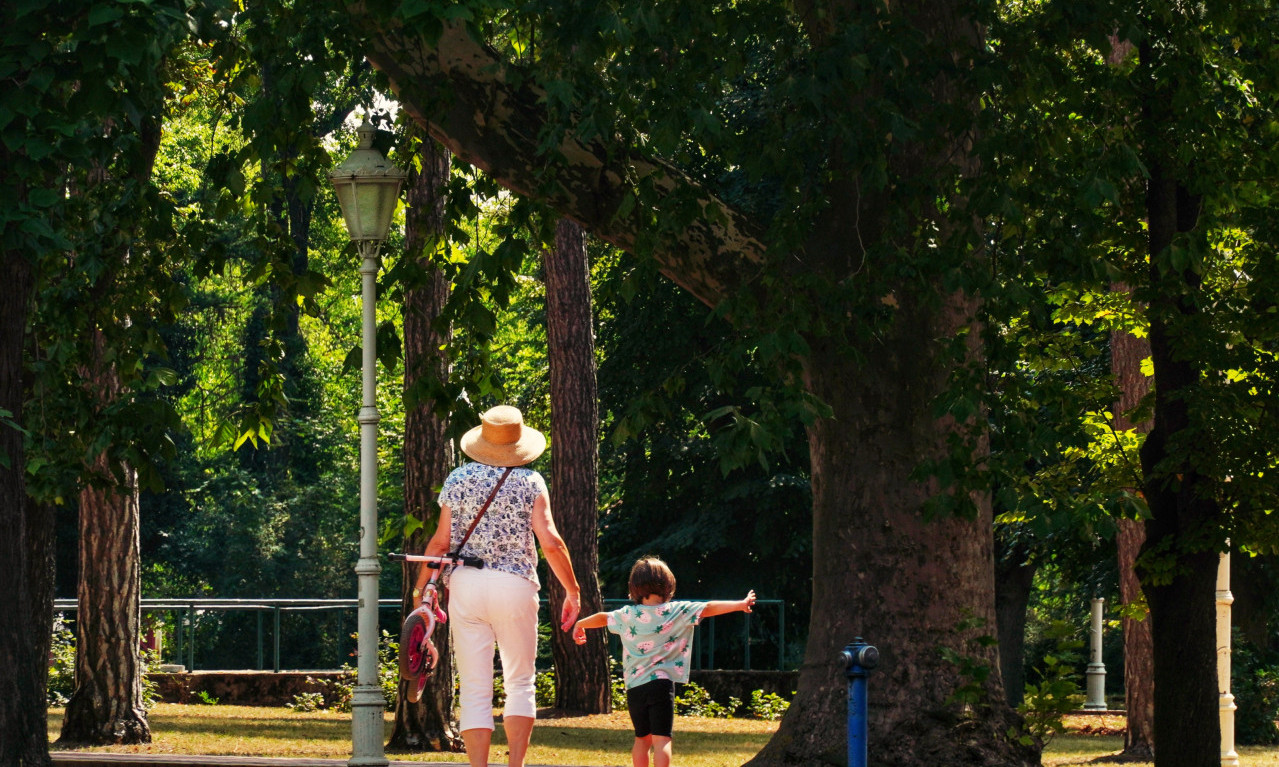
(504, 536)
(657, 640)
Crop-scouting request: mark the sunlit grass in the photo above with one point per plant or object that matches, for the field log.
(1092, 737)
(278, 732)
(598, 741)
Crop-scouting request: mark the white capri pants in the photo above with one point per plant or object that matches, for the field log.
(487, 606)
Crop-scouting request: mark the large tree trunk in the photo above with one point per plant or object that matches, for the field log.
(1126, 353)
(26, 544)
(428, 724)
(1139, 675)
(1014, 578)
(1179, 560)
(106, 707)
(581, 673)
(910, 586)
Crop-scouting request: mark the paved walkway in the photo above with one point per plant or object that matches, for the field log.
(89, 759)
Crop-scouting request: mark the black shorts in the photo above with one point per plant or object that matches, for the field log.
(652, 707)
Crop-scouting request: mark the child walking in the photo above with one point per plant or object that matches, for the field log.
(657, 644)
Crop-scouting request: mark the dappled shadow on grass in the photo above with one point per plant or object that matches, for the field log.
(567, 740)
(1068, 750)
(212, 725)
(243, 727)
(607, 739)
(599, 738)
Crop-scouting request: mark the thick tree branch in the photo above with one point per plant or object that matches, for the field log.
(460, 91)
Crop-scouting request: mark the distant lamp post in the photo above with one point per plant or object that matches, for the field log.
(368, 188)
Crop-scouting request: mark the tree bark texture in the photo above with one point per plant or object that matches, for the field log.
(26, 545)
(581, 673)
(106, 707)
(427, 725)
(910, 586)
(1126, 353)
(1014, 577)
(1183, 512)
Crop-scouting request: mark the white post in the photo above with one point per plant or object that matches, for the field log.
(367, 704)
(1225, 701)
(1096, 669)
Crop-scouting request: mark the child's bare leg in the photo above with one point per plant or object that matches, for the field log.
(639, 752)
(661, 751)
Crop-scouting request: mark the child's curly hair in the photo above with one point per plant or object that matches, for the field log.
(650, 575)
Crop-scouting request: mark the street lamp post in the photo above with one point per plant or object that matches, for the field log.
(368, 187)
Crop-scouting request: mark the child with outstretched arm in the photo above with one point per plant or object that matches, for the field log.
(657, 644)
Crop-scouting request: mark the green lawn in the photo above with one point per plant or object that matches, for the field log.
(1085, 749)
(586, 740)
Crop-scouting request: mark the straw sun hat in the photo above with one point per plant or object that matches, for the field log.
(502, 439)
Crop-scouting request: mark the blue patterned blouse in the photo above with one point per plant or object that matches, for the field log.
(504, 536)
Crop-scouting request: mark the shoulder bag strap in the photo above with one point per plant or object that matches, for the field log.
(467, 535)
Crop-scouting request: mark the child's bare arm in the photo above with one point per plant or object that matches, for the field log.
(596, 621)
(719, 608)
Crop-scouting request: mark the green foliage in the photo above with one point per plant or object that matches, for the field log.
(306, 701)
(388, 675)
(61, 663)
(617, 685)
(150, 687)
(544, 688)
(203, 698)
(973, 673)
(766, 705)
(1073, 216)
(62, 656)
(971, 667)
(700, 464)
(1056, 693)
(694, 700)
(1254, 681)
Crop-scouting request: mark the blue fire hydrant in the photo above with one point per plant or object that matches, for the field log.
(859, 659)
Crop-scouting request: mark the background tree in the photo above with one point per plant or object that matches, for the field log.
(69, 63)
(581, 673)
(1127, 354)
(427, 724)
(1155, 193)
(106, 706)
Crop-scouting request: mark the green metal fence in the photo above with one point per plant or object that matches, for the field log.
(764, 630)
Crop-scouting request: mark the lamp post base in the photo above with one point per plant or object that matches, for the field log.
(367, 708)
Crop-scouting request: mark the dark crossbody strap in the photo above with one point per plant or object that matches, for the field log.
(467, 535)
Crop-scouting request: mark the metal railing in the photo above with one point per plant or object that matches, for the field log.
(186, 611)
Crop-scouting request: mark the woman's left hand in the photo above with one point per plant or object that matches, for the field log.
(572, 607)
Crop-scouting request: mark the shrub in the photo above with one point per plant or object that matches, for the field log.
(1057, 692)
(617, 685)
(306, 701)
(150, 688)
(694, 700)
(1254, 681)
(544, 688)
(62, 653)
(388, 675)
(766, 705)
(61, 663)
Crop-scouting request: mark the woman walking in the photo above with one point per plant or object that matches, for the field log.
(494, 509)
